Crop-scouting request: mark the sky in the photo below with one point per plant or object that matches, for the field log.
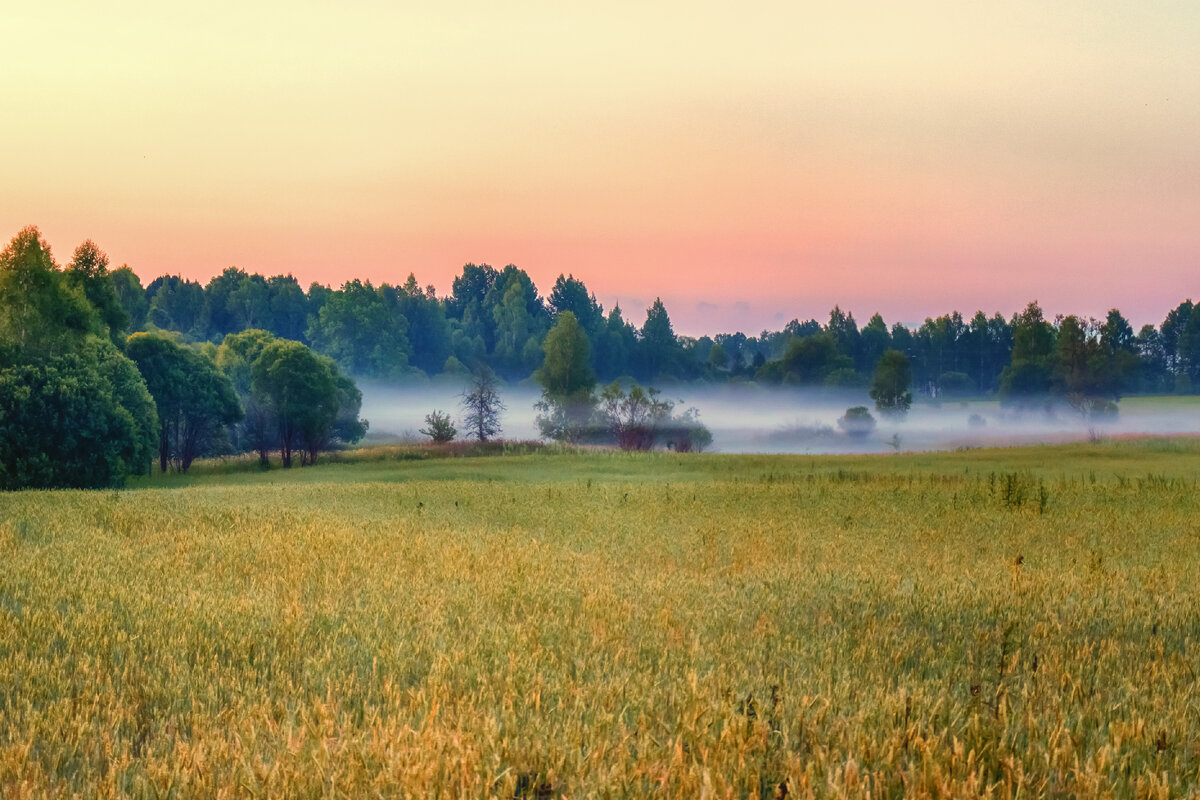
(749, 163)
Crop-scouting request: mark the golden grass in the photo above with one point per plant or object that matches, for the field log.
(870, 632)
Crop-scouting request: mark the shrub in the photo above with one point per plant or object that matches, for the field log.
(439, 427)
(857, 422)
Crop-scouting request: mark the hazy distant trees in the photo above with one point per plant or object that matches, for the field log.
(857, 422)
(498, 319)
(890, 383)
(1029, 373)
(659, 348)
(567, 379)
(131, 296)
(808, 361)
(356, 329)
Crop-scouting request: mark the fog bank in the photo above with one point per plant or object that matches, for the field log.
(757, 420)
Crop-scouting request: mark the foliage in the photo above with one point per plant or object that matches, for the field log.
(632, 417)
(889, 385)
(640, 419)
(73, 410)
(1029, 375)
(301, 390)
(131, 296)
(659, 347)
(41, 314)
(439, 427)
(88, 271)
(195, 400)
(356, 329)
(808, 361)
(498, 319)
(857, 422)
(235, 358)
(567, 381)
(82, 419)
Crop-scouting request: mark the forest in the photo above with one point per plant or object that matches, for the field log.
(499, 318)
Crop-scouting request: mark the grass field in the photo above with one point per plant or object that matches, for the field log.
(1000, 623)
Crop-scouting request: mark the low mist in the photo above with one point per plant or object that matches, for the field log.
(748, 419)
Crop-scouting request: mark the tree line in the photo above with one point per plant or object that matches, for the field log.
(498, 318)
(84, 403)
(100, 376)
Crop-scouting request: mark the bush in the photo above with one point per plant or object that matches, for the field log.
(857, 422)
(439, 427)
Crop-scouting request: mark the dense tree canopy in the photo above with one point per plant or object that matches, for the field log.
(73, 410)
(195, 401)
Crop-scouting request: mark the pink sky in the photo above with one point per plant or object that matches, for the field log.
(748, 167)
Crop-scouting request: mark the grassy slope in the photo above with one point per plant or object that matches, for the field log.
(608, 624)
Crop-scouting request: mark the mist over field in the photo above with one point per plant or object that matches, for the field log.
(757, 420)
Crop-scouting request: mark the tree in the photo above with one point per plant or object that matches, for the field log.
(570, 294)
(717, 359)
(1029, 373)
(80, 419)
(1119, 359)
(481, 405)
(249, 304)
(807, 362)
(305, 395)
(289, 307)
(176, 305)
(195, 400)
(618, 345)
(88, 271)
(472, 329)
(429, 334)
(41, 314)
(658, 347)
(844, 331)
(857, 422)
(1189, 351)
(890, 384)
(131, 295)
(514, 329)
(439, 427)
(632, 417)
(356, 328)
(874, 340)
(1171, 331)
(73, 410)
(567, 381)
(235, 358)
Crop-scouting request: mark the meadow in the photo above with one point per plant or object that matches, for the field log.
(1000, 623)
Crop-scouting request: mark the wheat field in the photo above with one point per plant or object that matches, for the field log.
(992, 623)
